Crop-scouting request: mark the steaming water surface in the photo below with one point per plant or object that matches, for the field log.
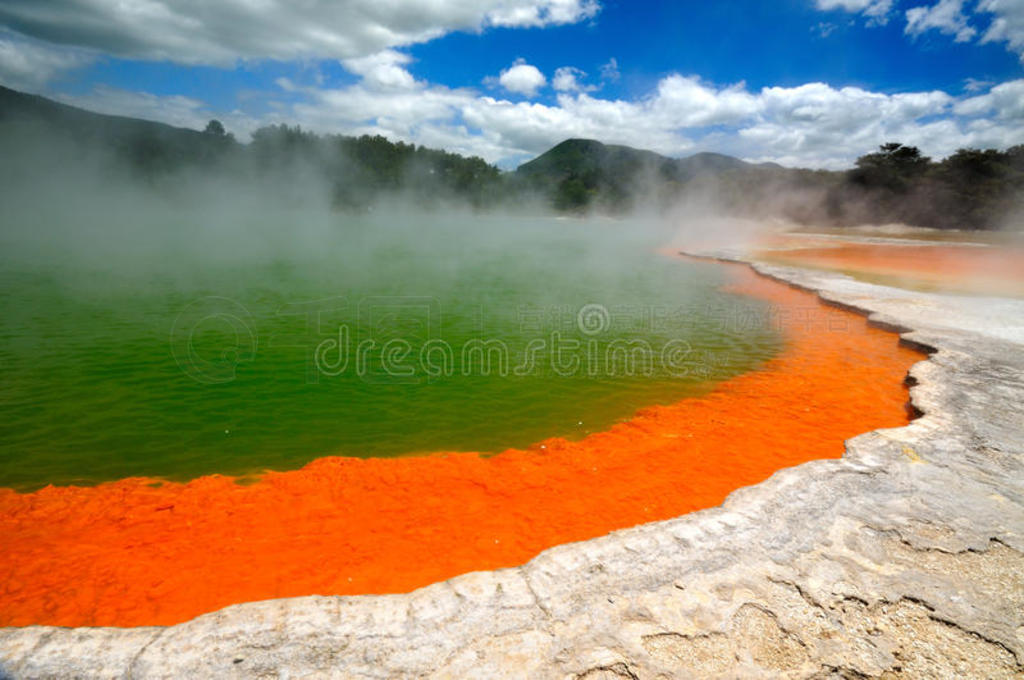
(175, 346)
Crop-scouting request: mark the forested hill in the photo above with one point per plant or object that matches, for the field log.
(580, 156)
(354, 171)
(582, 173)
(27, 118)
(21, 107)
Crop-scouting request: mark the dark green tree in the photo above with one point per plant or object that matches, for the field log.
(892, 167)
(215, 128)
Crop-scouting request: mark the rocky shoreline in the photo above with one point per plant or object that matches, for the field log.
(905, 558)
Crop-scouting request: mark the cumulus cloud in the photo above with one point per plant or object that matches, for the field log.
(946, 16)
(1006, 101)
(687, 102)
(28, 64)
(522, 78)
(385, 70)
(201, 32)
(1008, 24)
(876, 11)
(822, 126)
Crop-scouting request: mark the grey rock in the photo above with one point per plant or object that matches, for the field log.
(903, 559)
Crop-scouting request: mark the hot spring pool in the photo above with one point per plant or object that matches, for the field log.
(199, 361)
(174, 349)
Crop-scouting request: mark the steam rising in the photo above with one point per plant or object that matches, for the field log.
(76, 204)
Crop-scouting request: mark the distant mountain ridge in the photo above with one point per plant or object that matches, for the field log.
(586, 155)
(579, 174)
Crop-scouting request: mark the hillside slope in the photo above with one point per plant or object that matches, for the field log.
(579, 174)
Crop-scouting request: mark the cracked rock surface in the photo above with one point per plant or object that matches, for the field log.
(904, 559)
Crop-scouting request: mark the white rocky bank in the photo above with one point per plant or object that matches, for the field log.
(904, 559)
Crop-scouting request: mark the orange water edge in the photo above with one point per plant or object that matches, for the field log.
(959, 268)
(130, 553)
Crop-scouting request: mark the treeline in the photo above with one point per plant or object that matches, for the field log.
(971, 189)
(359, 170)
(49, 142)
(353, 171)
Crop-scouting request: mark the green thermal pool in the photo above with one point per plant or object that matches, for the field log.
(289, 337)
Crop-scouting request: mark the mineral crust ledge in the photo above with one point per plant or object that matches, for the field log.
(905, 558)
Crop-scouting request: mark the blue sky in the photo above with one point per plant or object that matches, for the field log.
(802, 82)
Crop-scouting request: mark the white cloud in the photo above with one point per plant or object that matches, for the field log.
(686, 102)
(1006, 101)
(1008, 24)
(567, 79)
(976, 84)
(28, 64)
(877, 11)
(202, 32)
(610, 71)
(529, 128)
(383, 70)
(522, 78)
(946, 16)
(533, 14)
(355, 109)
(824, 28)
(821, 126)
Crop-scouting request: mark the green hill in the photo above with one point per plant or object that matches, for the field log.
(39, 134)
(580, 174)
(578, 156)
(19, 107)
(149, 146)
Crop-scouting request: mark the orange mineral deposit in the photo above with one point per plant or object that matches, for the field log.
(977, 269)
(141, 552)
